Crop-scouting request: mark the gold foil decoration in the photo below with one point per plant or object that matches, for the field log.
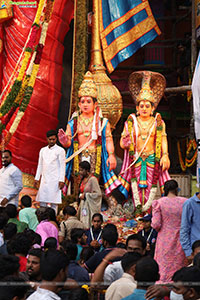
(108, 96)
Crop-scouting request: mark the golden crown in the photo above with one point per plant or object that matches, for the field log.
(88, 87)
(147, 85)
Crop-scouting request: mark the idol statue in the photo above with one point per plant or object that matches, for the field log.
(144, 140)
(88, 138)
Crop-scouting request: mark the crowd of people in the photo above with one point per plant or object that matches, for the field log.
(41, 258)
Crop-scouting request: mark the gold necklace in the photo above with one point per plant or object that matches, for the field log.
(89, 129)
(145, 127)
(86, 121)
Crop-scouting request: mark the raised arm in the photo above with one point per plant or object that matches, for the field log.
(65, 138)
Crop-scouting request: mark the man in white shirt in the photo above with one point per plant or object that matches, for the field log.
(53, 268)
(10, 180)
(124, 286)
(51, 171)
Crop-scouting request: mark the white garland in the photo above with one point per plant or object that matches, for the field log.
(135, 193)
(152, 195)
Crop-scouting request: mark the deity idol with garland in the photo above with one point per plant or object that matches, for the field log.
(144, 140)
(88, 138)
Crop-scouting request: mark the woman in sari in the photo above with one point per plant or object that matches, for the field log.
(90, 195)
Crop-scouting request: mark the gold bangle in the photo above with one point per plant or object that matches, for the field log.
(110, 153)
(165, 153)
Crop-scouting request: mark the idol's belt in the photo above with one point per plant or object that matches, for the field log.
(144, 155)
(88, 152)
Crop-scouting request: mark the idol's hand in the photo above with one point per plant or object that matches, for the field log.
(111, 162)
(63, 137)
(126, 140)
(165, 162)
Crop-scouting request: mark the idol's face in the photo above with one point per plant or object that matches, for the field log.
(145, 108)
(86, 105)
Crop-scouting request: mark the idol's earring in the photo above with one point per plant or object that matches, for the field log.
(137, 113)
(152, 113)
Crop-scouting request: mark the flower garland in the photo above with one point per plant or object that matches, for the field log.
(15, 95)
(7, 103)
(134, 185)
(33, 68)
(75, 143)
(98, 156)
(153, 191)
(190, 158)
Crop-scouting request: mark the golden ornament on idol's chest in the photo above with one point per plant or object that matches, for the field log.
(145, 126)
(86, 125)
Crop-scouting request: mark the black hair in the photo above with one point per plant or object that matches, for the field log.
(8, 290)
(42, 214)
(188, 274)
(9, 231)
(26, 201)
(76, 233)
(51, 263)
(129, 259)
(85, 165)
(195, 245)
(8, 151)
(31, 235)
(170, 186)
(97, 215)
(50, 243)
(86, 253)
(51, 133)
(38, 239)
(70, 249)
(121, 245)
(11, 211)
(147, 270)
(35, 252)
(3, 221)
(79, 294)
(19, 244)
(196, 260)
(9, 265)
(110, 234)
(137, 237)
(69, 210)
(52, 215)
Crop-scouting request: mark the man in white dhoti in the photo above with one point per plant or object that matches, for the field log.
(10, 180)
(51, 171)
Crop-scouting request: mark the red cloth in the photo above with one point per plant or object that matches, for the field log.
(41, 113)
(22, 262)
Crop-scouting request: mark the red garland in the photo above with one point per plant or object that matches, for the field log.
(39, 54)
(6, 118)
(31, 42)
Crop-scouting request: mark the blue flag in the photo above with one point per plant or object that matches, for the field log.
(125, 26)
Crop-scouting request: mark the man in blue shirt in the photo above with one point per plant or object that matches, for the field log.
(146, 271)
(189, 231)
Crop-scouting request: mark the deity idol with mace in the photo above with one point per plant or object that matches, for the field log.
(88, 138)
(144, 139)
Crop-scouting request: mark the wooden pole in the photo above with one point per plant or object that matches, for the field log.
(169, 90)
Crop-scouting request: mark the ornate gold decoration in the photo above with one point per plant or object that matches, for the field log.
(146, 85)
(88, 87)
(145, 127)
(6, 13)
(108, 96)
